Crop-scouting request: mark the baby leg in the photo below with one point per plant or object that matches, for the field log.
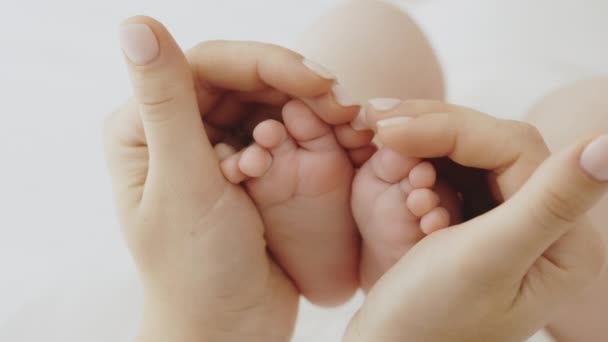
(376, 50)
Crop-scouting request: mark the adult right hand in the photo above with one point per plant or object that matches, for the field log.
(499, 276)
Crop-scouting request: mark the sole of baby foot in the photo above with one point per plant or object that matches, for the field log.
(395, 207)
(300, 179)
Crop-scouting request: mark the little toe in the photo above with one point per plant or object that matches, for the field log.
(421, 201)
(307, 128)
(390, 166)
(423, 175)
(436, 219)
(255, 161)
(230, 169)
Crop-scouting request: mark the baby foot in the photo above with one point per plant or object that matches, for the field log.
(395, 206)
(300, 178)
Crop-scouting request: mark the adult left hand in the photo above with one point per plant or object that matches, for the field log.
(499, 276)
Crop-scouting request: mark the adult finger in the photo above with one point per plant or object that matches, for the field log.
(254, 67)
(551, 204)
(164, 93)
(428, 129)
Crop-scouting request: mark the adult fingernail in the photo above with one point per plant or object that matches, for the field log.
(360, 122)
(343, 97)
(594, 159)
(392, 122)
(384, 104)
(139, 43)
(318, 69)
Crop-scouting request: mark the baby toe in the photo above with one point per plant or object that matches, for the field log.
(230, 169)
(390, 166)
(255, 161)
(435, 220)
(421, 201)
(423, 175)
(351, 138)
(269, 134)
(307, 128)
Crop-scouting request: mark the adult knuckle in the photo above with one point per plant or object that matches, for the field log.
(558, 206)
(157, 102)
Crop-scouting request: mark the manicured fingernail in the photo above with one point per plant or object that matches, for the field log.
(594, 159)
(391, 122)
(139, 43)
(360, 122)
(384, 104)
(343, 97)
(318, 69)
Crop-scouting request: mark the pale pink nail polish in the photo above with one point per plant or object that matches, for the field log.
(391, 122)
(594, 159)
(343, 97)
(384, 104)
(139, 43)
(318, 69)
(360, 122)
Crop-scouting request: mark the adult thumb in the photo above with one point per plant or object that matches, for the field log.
(164, 92)
(551, 204)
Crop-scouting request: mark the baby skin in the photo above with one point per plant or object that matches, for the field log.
(395, 205)
(299, 175)
(301, 179)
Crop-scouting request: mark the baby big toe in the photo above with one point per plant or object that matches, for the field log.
(421, 201)
(350, 138)
(390, 166)
(307, 128)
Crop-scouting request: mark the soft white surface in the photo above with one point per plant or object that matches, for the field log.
(66, 275)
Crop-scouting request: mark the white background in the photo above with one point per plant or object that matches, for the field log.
(64, 273)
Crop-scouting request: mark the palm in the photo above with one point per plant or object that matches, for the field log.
(208, 237)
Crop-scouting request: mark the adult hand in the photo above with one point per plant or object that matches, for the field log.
(499, 276)
(197, 240)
